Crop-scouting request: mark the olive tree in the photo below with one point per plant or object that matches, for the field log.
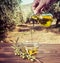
(8, 15)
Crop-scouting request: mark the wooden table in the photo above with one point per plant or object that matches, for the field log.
(48, 53)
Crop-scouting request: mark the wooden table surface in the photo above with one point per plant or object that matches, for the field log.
(48, 53)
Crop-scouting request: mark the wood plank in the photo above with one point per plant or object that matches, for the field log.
(48, 53)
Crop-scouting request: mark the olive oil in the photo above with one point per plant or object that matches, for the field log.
(44, 20)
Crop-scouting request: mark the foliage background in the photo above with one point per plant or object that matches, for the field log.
(12, 13)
